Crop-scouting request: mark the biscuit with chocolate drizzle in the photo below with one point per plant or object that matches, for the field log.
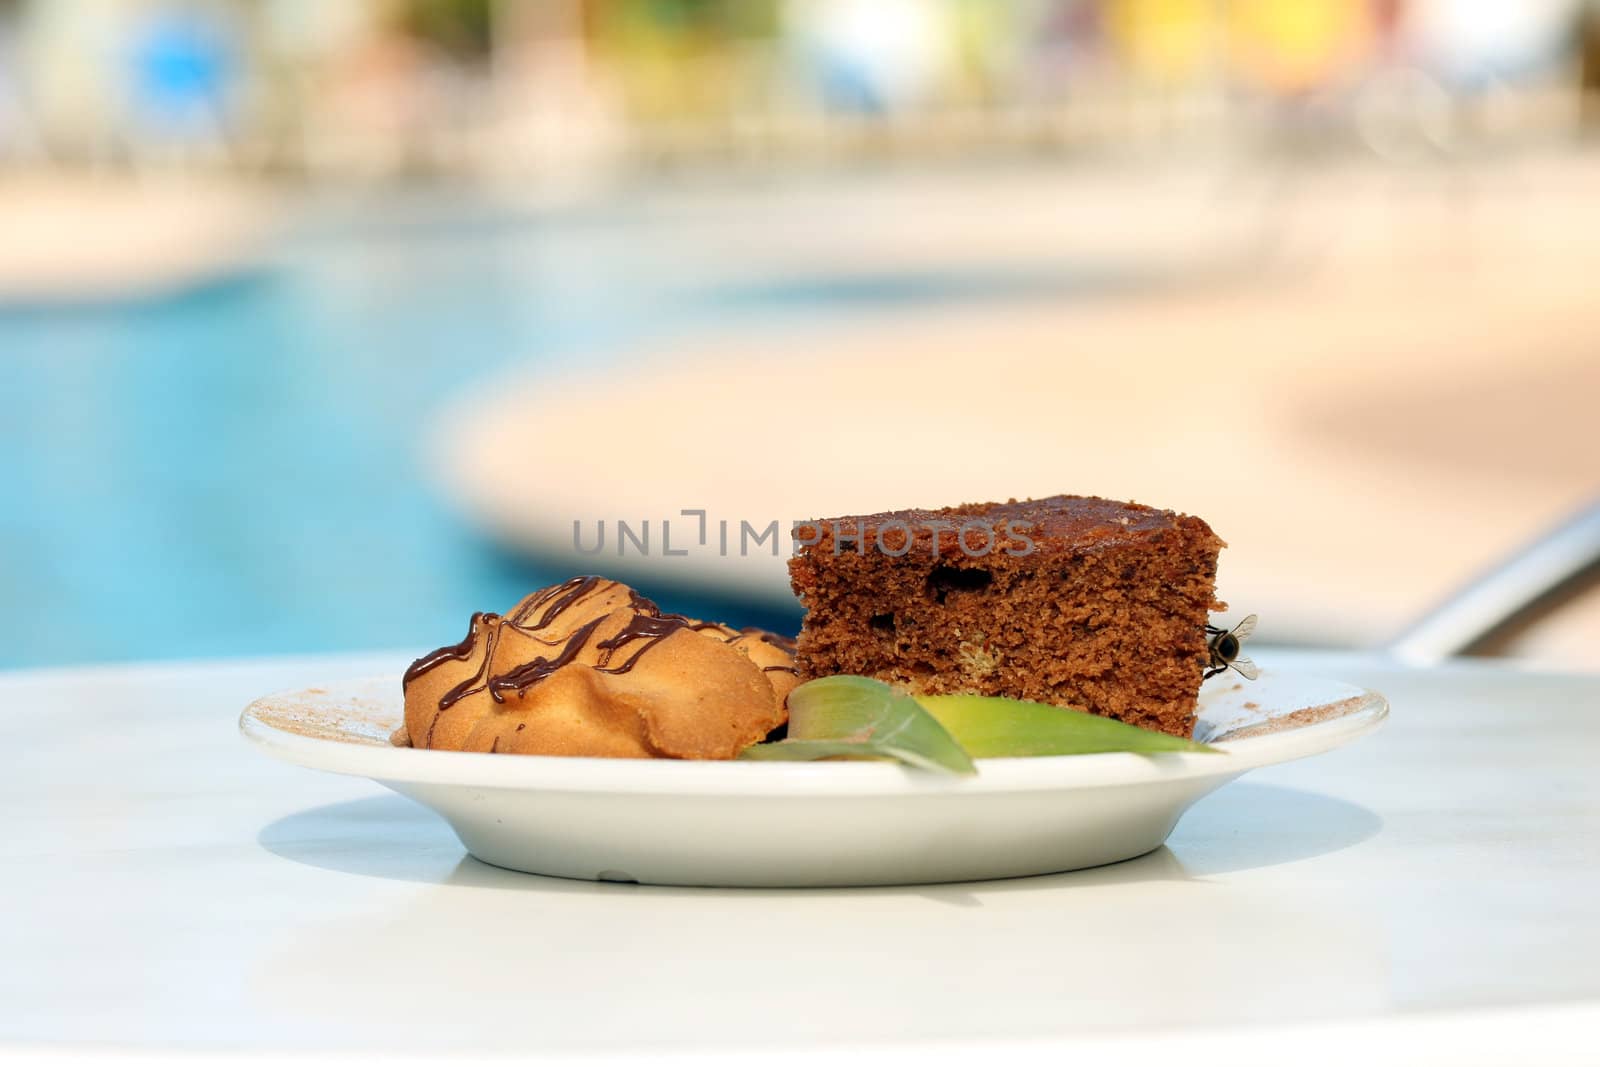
(591, 668)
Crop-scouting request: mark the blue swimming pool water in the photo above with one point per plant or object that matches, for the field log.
(235, 471)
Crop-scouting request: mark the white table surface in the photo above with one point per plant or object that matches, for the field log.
(169, 888)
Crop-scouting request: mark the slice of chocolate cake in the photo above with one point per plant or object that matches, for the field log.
(1077, 601)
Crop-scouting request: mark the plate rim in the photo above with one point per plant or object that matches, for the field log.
(1368, 711)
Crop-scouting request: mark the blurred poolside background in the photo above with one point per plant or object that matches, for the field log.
(320, 324)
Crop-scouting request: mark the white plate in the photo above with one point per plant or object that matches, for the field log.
(810, 824)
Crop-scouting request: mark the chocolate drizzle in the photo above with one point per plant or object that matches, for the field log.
(458, 651)
(560, 598)
(480, 677)
(648, 624)
(520, 679)
(782, 644)
(652, 629)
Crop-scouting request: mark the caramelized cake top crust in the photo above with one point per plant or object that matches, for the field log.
(1054, 524)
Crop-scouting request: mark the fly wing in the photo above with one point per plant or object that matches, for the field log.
(1246, 627)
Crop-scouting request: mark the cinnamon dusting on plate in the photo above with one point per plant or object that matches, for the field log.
(1295, 719)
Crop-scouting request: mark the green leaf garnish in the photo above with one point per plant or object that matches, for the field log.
(988, 727)
(850, 717)
(861, 718)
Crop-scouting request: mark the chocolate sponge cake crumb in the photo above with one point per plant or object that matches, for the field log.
(1077, 601)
